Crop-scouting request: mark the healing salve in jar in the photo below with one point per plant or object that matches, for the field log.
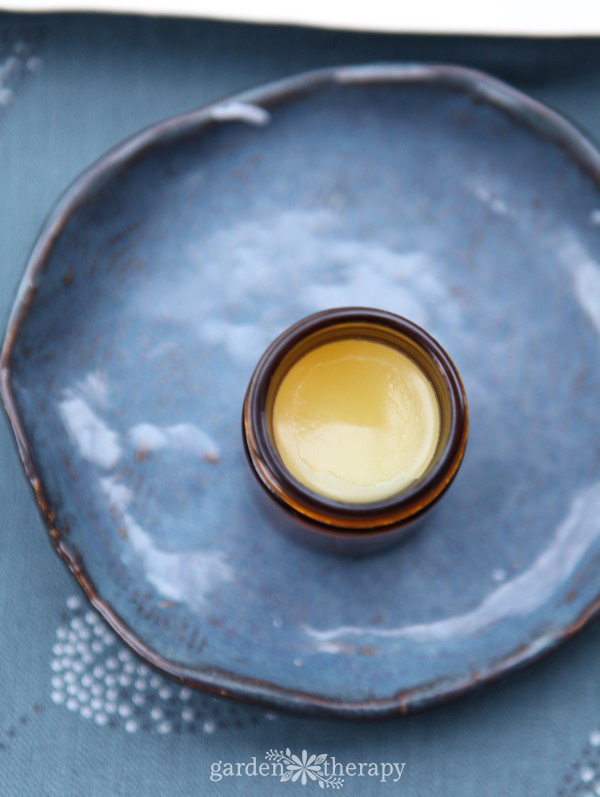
(355, 423)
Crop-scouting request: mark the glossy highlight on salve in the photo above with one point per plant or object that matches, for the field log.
(356, 420)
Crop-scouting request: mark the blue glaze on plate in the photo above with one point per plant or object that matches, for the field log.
(433, 192)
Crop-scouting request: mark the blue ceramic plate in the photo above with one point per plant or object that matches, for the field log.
(433, 192)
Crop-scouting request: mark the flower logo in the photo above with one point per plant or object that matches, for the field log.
(304, 768)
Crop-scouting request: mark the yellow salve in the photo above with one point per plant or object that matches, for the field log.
(356, 420)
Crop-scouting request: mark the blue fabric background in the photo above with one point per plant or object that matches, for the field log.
(70, 87)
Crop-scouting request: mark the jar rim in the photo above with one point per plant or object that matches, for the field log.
(329, 513)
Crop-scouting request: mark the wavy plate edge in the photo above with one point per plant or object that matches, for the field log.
(251, 106)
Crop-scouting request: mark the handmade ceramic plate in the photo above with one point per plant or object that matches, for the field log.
(434, 192)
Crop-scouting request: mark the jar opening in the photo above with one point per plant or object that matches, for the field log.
(355, 418)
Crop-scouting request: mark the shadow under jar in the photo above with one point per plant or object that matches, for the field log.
(363, 375)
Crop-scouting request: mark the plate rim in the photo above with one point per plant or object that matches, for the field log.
(252, 106)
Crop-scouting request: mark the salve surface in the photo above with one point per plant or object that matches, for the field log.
(356, 420)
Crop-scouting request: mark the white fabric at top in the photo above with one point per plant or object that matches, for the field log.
(520, 17)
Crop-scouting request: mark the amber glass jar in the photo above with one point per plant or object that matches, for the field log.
(319, 520)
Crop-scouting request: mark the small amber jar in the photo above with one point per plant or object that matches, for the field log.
(324, 521)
